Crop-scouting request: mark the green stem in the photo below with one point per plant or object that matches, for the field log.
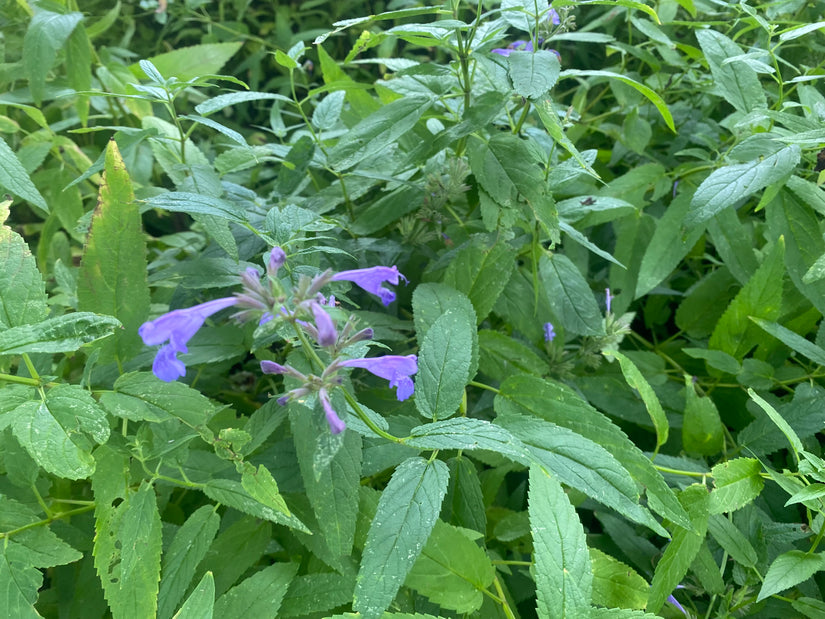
(665, 469)
(47, 521)
(23, 380)
(369, 422)
(473, 383)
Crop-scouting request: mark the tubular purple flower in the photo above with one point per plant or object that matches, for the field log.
(675, 602)
(549, 332)
(177, 327)
(371, 280)
(327, 335)
(608, 299)
(336, 425)
(277, 259)
(553, 17)
(394, 368)
(515, 46)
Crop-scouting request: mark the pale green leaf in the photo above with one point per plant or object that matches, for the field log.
(533, 73)
(259, 595)
(737, 82)
(736, 483)
(200, 603)
(788, 570)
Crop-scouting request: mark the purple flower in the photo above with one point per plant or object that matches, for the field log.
(277, 258)
(336, 425)
(608, 298)
(526, 46)
(673, 601)
(327, 335)
(554, 17)
(549, 332)
(371, 280)
(177, 327)
(393, 368)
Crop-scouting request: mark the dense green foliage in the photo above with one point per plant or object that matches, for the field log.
(609, 214)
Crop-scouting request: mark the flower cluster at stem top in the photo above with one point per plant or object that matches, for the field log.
(265, 300)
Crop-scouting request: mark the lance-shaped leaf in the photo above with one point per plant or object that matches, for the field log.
(64, 333)
(22, 292)
(407, 511)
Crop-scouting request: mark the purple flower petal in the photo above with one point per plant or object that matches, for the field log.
(549, 332)
(673, 601)
(608, 299)
(270, 367)
(177, 327)
(336, 425)
(554, 17)
(394, 368)
(327, 335)
(501, 52)
(371, 280)
(277, 259)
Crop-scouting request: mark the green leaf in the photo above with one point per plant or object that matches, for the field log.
(808, 493)
(647, 92)
(556, 403)
(22, 292)
(736, 483)
(737, 82)
(378, 131)
(761, 297)
(233, 494)
(197, 204)
(683, 547)
(407, 511)
(15, 178)
(533, 73)
(669, 245)
(803, 414)
(731, 539)
(620, 613)
(582, 464)
(215, 104)
(810, 607)
(236, 549)
(443, 366)
(186, 551)
(788, 570)
(64, 333)
(636, 380)
(481, 270)
(615, 583)
(564, 582)
(328, 111)
(20, 581)
(570, 296)
(464, 502)
(466, 433)
(332, 488)
(262, 487)
(314, 593)
(704, 304)
(47, 33)
(452, 570)
(201, 602)
(550, 120)
(259, 595)
(187, 63)
(127, 555)
(112, 276)
(58, 431)
(793, 340)
(702, 429)
(731, 183)
(780, 422)
(430, 301)
(502, 356)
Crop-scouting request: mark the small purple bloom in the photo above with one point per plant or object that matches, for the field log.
(277, 258)
(371, 280)
(526, 46)
(177, 327)
(675, 602)
(549, 332)
(336, 425)
(554, 17)
(394, 368)
(327, 335)
(270, 367)
(608, 299)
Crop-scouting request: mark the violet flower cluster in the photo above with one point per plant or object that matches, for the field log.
(265, 300)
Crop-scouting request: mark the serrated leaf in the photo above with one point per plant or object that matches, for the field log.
(188, 548)
(731, 183)
(616, 584)
(570, 296)
(803, 414)
(736, 482)
(332, 489)
(793, 340)
(64, 333)
(259, 595)
(580, 463)
(236, 549)
(232, 493)
(112, 276)
(165, 400)
(215, 104)
(731, 539)
(201, 602)
(197, 204)
(262, 487)
(452, 570)
(788, 570)
(443, 366)
(319, 592)
(20, 581)
(737, 82)
(761, 297)
(407, 511)
(22, 292)
(378, 131)
(780, 422)
(684, 546)
(328, 111)
(430, 301)
(564, 582)
(481, 270)
(466, 433)
(558, 404)
(502, 356)
(15, 178)
(533, 73)
(464, 502)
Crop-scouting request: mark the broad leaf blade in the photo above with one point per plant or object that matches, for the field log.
(790, 569)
